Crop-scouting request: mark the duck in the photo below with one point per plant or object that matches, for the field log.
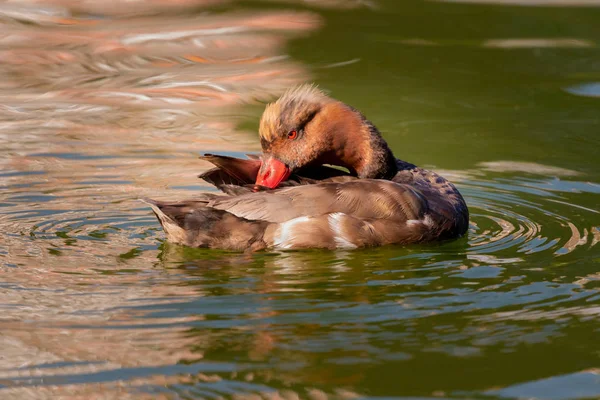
(326, 179)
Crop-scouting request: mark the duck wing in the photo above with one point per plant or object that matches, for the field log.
(360, 198)
(230, 170)
(236, 176)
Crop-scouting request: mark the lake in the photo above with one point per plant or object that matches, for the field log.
(102, 103)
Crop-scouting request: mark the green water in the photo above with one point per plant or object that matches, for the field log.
(101, 105)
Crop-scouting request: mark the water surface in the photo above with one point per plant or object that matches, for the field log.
(103, 103)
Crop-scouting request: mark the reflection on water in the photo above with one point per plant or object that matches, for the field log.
(102, 103)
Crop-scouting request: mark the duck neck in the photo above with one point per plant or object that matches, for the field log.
(364, 151)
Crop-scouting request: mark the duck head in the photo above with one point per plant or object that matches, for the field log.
(305, 127)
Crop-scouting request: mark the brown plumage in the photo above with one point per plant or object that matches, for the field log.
(306, 204)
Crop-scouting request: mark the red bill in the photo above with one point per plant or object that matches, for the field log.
(272, 172)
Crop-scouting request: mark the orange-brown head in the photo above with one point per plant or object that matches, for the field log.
(306, 127)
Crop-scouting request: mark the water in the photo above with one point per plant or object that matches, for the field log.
(103, 103)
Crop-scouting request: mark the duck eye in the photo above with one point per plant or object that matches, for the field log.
(292, 134)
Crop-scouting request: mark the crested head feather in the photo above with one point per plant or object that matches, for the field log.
(308, 92)
(292, 105)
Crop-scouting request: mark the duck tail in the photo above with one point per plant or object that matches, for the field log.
(195, 224)
(168, 219)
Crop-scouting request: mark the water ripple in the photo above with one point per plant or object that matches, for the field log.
(106, 102)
